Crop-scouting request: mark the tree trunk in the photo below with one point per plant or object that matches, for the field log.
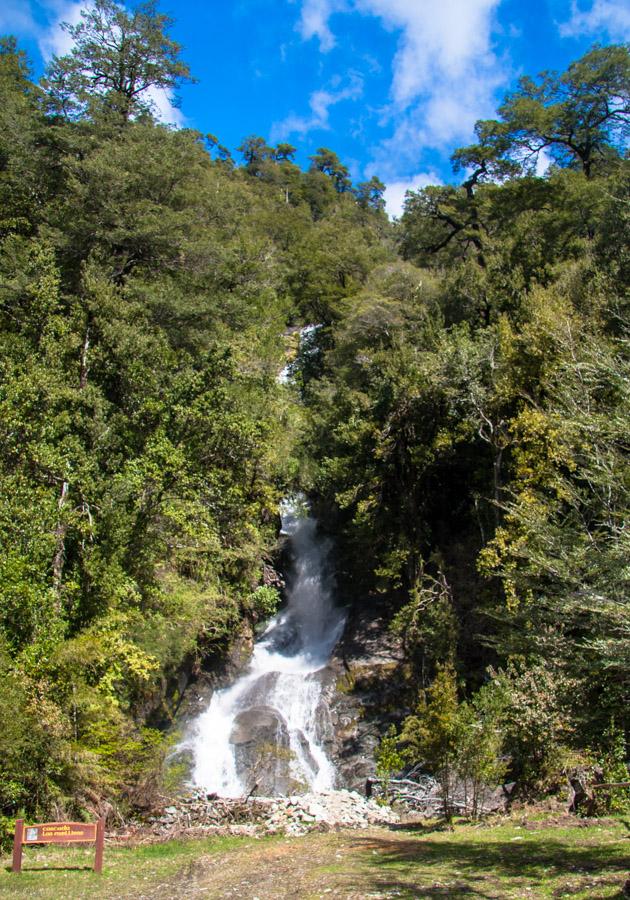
(60, 542)
(83, 376)
(497, 484)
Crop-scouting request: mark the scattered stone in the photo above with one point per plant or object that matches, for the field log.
(198, 813)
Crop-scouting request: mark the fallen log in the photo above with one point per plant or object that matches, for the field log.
(610, 784)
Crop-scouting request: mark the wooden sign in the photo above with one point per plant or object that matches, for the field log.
(59, 833)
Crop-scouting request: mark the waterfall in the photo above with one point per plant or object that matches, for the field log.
(269, 728)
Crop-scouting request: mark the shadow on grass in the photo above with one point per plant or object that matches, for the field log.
(430, 827)
(30, 870)
(488, 869)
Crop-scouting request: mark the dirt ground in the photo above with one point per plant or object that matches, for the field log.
(291, 869)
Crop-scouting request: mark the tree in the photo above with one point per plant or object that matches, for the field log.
(432, 734)
(117, 60)
(256, 153)
(369, 194)
(443, 220)
(486, 160)
(22, 181)
(285, 152)
(579, 116)
(481, 737)
(329, 163)
(222, 153)
(562, 551)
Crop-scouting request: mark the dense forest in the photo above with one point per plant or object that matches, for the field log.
(459, 416)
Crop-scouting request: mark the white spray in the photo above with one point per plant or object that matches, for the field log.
(282, 674)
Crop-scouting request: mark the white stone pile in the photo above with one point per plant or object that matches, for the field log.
(297, 814)
(330, 809)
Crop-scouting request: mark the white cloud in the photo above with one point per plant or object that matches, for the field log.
(320, 103)
(16, 18)
(609, 16)
(395, 191)
(445, 41)
(543, 161)
(440, 121)
(314, 21)
(163, 108)
(445, 74)
(53, 40)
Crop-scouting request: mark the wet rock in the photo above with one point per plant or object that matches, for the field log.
(365, 690)
(271, 577)
(261, 750)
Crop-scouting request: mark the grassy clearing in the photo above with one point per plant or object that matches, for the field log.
(510, 860)
(57, 872)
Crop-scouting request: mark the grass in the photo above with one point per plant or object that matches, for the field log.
(57, 872)
(507, 861)
(510, 860)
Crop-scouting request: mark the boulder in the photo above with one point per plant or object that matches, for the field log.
(261, 751)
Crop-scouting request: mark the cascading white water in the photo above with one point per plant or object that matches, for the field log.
(308, 349)
(280, 694)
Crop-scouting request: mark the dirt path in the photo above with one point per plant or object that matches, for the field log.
(294, 868)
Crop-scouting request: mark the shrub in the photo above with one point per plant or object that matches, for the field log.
(389, 758)
(537, 723)
(265, 601)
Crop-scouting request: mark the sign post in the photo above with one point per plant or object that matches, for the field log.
(17, 846)
(59, 833)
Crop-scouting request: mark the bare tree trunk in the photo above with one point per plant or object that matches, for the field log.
(83, 377)
(497, 483)
(60, 542)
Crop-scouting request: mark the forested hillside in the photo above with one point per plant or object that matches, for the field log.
(461, 415)
(470, 427)
(146, 282)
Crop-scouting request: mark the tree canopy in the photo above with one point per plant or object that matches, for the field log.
(117, 62)
(578, 117)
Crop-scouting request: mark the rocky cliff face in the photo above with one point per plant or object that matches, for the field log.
(365, 691)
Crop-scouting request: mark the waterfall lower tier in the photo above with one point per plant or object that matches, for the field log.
(268, 731)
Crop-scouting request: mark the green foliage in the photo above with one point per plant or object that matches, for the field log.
(328, 162)
(579, 117)
(431, 736)
(468, 418)
(116, 59)
(463, 425)
(535, 713)
(482, 725)
(615, 769)
(428, 625)
(145, 288)
(389, 758)
(35, 763)
(265, 601)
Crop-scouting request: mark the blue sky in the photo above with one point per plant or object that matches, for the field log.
(393, 86)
